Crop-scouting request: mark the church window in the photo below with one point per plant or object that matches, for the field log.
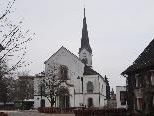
(102, 87)
(64, 72)
(90, 87)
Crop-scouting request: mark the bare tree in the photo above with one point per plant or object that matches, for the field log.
(3, 91)
(14, 38)
(14, 42)
(7, 10)
(54, 82)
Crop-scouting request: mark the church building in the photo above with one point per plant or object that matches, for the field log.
(83, 86)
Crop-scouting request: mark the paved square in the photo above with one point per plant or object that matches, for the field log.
(33, 113)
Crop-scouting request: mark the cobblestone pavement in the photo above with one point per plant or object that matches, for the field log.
(33, 113)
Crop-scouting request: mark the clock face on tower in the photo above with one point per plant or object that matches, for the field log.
(84, 55)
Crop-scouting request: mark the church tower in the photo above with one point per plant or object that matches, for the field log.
(85, 52)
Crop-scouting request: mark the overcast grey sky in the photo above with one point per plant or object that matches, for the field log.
(119, 30)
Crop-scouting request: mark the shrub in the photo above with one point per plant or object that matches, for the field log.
(3, 114)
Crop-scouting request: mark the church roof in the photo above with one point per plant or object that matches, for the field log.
(144, 61)
(89, 71)
(85, 39)
(1, 47)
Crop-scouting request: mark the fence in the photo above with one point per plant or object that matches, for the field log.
(79, 111)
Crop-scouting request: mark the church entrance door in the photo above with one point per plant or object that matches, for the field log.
(42, 103)
(64, 101)
(64, 98)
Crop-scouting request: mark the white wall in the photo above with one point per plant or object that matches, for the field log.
(118, 89)
(78, 100)
(98, 93)
(75, 69)
(37, 98)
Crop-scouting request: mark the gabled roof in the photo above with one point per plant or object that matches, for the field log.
(89, 71)
(145, 60)
(66, 50)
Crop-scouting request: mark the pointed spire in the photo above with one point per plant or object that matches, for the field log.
(85, 39)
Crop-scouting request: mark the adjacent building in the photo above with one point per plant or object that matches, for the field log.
(140, 82)
(112, 103)
(84, 86)
(24, 88)
(121, 96)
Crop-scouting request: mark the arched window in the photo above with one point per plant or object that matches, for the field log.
(102, 88)
(90, 87)
(64, 72)
(90, 102)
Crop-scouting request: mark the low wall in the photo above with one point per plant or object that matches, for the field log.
(101, 112)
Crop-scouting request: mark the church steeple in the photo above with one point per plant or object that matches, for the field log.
(85, 39)
(85, 52)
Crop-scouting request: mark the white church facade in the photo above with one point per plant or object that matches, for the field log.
(85, 87)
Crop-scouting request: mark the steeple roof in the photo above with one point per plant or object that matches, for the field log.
(85, 39)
